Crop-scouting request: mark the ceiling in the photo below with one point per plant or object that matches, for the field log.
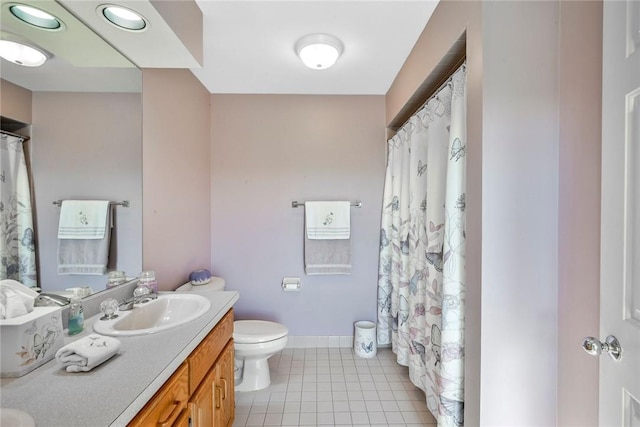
(249, 45)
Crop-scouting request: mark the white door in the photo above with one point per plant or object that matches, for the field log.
(620, 233)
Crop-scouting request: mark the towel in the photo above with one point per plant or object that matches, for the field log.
(87, 353)
(16, 299)
(328, 220)
(84, 236)
(327, 256)
(83, 219)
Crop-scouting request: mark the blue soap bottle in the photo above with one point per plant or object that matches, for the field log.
(76, 316)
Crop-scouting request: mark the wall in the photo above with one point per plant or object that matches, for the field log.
(520, 213)
(176, 175)
(87, 146)
(579, 204)
(15, 102)
(268, 150)
(533, 103)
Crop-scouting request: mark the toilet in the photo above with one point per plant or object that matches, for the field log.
(255, 341)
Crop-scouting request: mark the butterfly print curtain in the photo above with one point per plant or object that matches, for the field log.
(17, 246)
(422, 250)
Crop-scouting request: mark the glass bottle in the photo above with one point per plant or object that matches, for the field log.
(148, 279)
(76, 316)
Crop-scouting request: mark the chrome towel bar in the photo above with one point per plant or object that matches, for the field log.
(296, 204)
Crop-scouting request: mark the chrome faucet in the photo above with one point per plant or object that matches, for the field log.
(141, 295)
(48, 300)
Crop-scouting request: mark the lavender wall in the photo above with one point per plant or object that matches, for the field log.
(87, 146)
(176, 175)
(268, 150)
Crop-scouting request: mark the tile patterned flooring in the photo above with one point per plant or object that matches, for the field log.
(331, 386)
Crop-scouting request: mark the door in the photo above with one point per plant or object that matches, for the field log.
(620, 232)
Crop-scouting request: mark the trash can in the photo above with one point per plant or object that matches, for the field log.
(364, 340)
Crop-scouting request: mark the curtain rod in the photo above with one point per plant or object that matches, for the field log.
(461, 64)
(446, 82)
(25, 138)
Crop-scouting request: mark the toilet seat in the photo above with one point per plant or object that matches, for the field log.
(257, 331)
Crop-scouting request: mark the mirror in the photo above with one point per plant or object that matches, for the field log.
(83, 112)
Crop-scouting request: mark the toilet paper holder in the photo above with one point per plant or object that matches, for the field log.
(290, 284)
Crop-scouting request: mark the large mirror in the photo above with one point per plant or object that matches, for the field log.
(82, 110)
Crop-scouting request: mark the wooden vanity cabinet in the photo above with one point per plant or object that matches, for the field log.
(207, 383)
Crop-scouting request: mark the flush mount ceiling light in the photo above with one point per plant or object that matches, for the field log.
(319, 51)
(36, 17)
(122, 17)
(21, 54)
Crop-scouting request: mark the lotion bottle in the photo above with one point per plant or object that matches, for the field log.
(76, 316)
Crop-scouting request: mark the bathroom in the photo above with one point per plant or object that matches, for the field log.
(240, 227)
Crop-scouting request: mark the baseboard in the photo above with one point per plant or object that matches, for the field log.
(320, 341)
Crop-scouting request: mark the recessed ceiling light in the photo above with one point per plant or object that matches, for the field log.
(21, 54)
(319, 51)
(36, 17)
(122, 17)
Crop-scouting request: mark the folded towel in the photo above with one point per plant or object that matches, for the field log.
(83, 219)
(16, 299)
(87, 353)
(327, 256)
(328, 220)
(85, 255)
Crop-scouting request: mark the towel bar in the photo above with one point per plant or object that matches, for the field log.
(124, 203)
(296, 204)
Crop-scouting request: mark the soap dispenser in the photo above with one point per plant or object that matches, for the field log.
(76, 315)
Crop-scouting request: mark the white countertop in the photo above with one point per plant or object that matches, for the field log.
(112, 393)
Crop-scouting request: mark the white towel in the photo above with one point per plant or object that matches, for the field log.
(83, 219)
(87, 254)
(16, 299)
(328, 220)
(87, 353)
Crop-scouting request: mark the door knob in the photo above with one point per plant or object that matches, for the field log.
(594, 347)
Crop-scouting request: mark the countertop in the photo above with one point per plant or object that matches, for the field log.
(112, 393)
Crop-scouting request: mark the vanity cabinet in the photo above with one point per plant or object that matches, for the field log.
(201, 392)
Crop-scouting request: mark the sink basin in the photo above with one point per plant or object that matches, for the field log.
(168, 311)
(10, 417)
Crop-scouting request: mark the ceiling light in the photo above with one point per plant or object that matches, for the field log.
(122, 17)
(36, 17)
(21, 54)
(319, 51)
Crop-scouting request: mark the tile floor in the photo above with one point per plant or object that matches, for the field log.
(331, 386)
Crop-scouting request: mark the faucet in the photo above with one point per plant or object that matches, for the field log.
(48, 300)
(141, 295)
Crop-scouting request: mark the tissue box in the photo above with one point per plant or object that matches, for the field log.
(29, 341)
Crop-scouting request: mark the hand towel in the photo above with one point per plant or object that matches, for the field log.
(83, 219)
(16, 299)
(87, 254)
(86, 353)
(328, 220)
(327, 256)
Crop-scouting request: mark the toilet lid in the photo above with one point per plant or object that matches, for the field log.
(257, 331)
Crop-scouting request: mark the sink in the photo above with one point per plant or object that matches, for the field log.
(10, 417)
(171, 309)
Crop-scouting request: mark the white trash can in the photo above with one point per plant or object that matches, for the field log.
(364, 341)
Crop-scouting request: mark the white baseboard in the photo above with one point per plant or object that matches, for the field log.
(320, 341)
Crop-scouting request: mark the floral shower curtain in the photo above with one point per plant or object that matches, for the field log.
(17, 246)
(422, 250)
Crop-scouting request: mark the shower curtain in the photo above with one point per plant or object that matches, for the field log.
(422, 250)
(17, 245)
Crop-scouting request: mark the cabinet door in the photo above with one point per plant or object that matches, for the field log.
(225, 386)
(168, 403)
(183, 419)
(202, 404)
